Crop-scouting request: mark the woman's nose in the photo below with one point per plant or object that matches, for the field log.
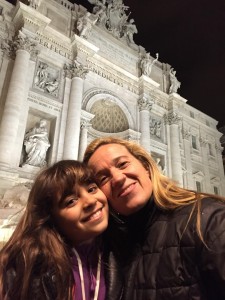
(89, 200)
(117, 177)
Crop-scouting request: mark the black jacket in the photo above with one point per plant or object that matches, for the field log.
(43, 287)
(163, 259)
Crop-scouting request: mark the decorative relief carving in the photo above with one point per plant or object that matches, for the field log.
(76, 69)
(155, 127)
(47, 79)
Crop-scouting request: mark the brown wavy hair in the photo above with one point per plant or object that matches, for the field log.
(36, 245)
(167, 194)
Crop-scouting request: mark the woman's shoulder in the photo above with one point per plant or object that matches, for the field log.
(211, 205)
(212, 220)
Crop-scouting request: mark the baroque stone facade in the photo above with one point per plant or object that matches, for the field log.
(82, 73)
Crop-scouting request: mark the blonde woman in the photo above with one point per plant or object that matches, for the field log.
(170, 241)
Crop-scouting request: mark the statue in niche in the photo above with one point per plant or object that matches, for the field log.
(158, 129)
(147, 64)
(174, 83)
(36, 144)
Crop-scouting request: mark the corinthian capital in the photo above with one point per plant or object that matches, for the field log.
(76, 69)
(203, 141)
(172, 118)
(23, 42)
(144, 104)
(186, 133)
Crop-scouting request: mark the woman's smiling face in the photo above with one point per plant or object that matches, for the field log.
(122, 178)
(83, 215)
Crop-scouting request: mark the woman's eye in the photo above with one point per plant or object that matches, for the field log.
(102, 179)
(93, 188)
(122, 164)
(71, 202)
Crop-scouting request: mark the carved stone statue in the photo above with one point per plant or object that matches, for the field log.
(36, 144)
(84, 25)
(111, 15)
(174, 83)
(34, 3)
(130, 29)
(147, 63)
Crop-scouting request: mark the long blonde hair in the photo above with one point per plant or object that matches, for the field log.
(167, 194)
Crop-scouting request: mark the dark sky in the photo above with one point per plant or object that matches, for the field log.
(190, 36)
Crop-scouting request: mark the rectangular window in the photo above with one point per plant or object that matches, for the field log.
(194, 143)
(210, 150)
(192, 114)
(198, 186)
(216, 191)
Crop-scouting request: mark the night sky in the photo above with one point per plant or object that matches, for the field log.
(190, 36)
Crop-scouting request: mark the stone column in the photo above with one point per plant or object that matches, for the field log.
(172, 119)
(188, 160)
(15, 97)
(83, 138)
(145, 105)
(71, 143)
(205, 162)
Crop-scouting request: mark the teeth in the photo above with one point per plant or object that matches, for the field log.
(95, 215)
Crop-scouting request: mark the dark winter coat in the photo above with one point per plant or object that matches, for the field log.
(163, 258)
(44, 286)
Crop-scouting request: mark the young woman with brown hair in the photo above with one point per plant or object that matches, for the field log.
(56, 251)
